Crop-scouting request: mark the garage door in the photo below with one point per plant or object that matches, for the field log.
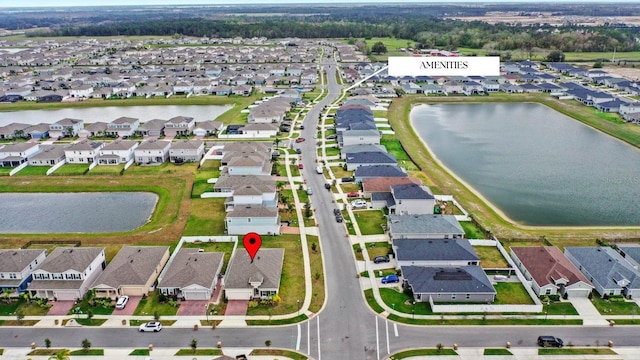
(132, 291)
(66, 295)
(578, 293)
(196, 295)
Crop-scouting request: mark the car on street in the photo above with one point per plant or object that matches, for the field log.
(390, 279)
(154, 326)
(359, 204)
(550, 341)
(301, 127)
(327, 186)
(309, 190)
(300, 139)
(300, 166)
(381, 259)
(318, 169)
(353, 194)
(336, 212)
(298, 151)
(122, 302)
(339, 218)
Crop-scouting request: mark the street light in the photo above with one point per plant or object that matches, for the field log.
(298, 303)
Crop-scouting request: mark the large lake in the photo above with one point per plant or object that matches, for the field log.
(536, 165)
(110, 113)
(35, 213)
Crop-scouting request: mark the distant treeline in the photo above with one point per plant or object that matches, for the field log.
(425, 32)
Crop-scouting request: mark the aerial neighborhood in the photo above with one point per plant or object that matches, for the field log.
(259, 166)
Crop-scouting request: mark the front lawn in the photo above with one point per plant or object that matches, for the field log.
(206, 217)
(89, 352)
(99, 306)
(150, 304)
(402, 303)
(201, 352)
(607, 307)
(339, 172)
(358, 252)
(368, 295)
(139, 352)
(560, 308)
(491, 257)
(497, 351)
(292, 280)
(350, 187)
(378, 249)
(512, 293)
(8, 308)
(332, 151)
(370, 222)
(289, 354)
(576, 351)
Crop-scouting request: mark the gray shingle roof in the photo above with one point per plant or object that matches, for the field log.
(191, 267)
(465, 279)
(18, 259)
(255, 211)
(371, 157)
(380, 171)
(267, 265)
(424, 224)
(410, 191)
(133, 265)
(434, 249)
(605, 265)
(70, 258)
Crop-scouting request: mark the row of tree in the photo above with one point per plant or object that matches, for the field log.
(425, 32)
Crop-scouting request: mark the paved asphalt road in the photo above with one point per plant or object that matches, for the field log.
(345, 329)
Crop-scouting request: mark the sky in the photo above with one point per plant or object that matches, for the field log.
(64, 3)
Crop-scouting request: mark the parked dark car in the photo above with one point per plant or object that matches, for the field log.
(339, 218)
(380, 259)
(336, 212)
(347, 179)
(327, 186)
(298, 151)
(550, 341)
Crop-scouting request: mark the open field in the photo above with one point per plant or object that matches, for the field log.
(438, 178)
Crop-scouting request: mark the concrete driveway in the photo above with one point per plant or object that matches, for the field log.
(61, 308)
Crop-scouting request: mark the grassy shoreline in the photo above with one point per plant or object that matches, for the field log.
(437, 176)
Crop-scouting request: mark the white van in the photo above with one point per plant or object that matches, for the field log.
(318, 169)
(359, 204)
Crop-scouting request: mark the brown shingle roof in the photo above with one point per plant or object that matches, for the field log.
(133, 265)
(547, 264)
(384, 184)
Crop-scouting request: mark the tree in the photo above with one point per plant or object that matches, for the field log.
(89, 314)
(47, 343)
(555, 56)
(19, 316)
(156, 315)
(379, 48)
(307, 210)
(86, 345)
(597, 65)
(194, 344)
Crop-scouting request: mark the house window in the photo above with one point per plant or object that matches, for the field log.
(453, 296)
(468, 296)
(612, 292)
(438, 296)
(57, 276)
(548, 292)
(248, 219)
(1, 276)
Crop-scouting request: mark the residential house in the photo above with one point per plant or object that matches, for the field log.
(369, 158)
(16, 266)
(550, 272)
(208, 128)
(13, 155)
(259, 130)
(186, 151)
(464, 284)
(424, 226)
(253, 218)
(247, 190)
(82, 91)
(96, 129)
(117, 152)
(48, 156)
(154, 127)
(434, 252)
(65, 128)
(259, 278)
(67, 273)
(83, 152)
(356, 137)
(13, 130)
(38, 131)
(192, 274)
(606, 269)
(374, 171)
(179, 125)
(132, 272)
(152, 152)
(631, 253)
(412, 199)
(353, 149)
(248, 164)
(123, 126)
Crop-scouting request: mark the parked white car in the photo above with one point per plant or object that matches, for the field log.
(359, 204)
(154, 326)
(122, 302)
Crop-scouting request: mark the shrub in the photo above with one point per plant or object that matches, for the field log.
(253, 304)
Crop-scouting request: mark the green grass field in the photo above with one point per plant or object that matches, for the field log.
(206, 217)
(209, 169)
(512, 293)
(71, 170)
(490, 257)
(607, 307)
(370, 222)
(33, 171)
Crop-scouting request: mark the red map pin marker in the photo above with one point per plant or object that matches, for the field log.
(252, 242)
